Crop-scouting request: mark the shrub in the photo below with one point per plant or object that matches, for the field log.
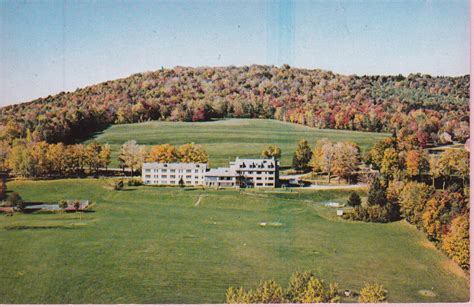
(237, 296)
(14, 200)
(62, 204)
(297, 286)
(318, 292)
(372, 293)
(118, 185)
(76, 204)
(354, 200)
(374, 214)
(134, 182)
(268, 292)
(302, 288)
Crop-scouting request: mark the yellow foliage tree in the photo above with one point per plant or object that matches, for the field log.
(191, 153)
(456, 242)
(271, 151)
(164, 153)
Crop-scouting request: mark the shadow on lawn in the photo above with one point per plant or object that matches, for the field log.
(41, 227)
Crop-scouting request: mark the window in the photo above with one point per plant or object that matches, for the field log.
(147, 176)
(188, 182)
(172, 171)
(270, 173)
(270, 178)
(196, 170)
(188, 176)
(147, 170)
(164, 176)
(259, 172)
(259, 184)
(259, 178)
(188, 171)
(172, 176)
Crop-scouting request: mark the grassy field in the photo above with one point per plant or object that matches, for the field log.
(172, 245)
(226, 139)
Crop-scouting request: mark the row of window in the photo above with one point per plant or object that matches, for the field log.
(188, 171)
(258, 173)
(172, 182)
(259, 184)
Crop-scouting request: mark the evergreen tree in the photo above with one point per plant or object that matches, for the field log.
(377, 194)
(354, 200)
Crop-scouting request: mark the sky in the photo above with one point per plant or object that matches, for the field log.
(51, 46)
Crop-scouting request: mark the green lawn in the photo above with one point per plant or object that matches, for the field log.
(226, 139)
(154, 245)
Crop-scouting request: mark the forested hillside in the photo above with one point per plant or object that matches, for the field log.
(419, 108)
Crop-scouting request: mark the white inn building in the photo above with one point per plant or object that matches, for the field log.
(242, 172)
(171, 173)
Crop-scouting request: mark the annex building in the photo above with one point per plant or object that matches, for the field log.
(240, 173)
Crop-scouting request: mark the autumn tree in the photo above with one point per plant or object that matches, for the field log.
(302, 156)
(434, 169)
(416, 163)
(92, 154)
(4, 151)
(412, 199)
(271, 151)
(454, 163)
(377, 152)
(317, 163)
(191, 153)
(57, 158)
(329, 152)
(104, 156)
(346, 159)
(390, 163)
(456, 243)
(164, 153)
(435, 216)
(132, 155)
(21, 161)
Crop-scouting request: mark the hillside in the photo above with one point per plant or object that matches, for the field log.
(418, 107)
(226, 139)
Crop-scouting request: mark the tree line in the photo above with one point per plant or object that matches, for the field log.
(133, 155)
(30, 158)
(419, 108)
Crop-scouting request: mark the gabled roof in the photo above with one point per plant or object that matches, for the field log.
(221, 172)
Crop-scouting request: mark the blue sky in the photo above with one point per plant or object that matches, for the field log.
(50, 46)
